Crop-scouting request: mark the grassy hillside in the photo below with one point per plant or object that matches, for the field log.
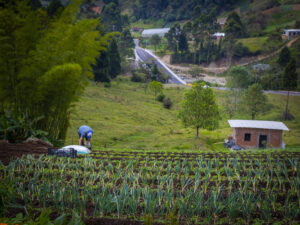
(127, 116)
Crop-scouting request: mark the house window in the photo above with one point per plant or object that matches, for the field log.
(247, 137)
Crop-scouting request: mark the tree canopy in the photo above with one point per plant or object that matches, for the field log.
(44, 67)
(255, 100)
(233, 26)
(199, 108)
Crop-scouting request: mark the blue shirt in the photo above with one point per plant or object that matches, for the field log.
(83, 130)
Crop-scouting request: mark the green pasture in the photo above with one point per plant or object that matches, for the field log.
(254, 44)
(148, 24)
(126, 116)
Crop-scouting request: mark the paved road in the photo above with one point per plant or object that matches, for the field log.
(147, 56)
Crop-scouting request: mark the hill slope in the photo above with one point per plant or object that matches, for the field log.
(127, 116)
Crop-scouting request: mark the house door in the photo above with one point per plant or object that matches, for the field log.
(263, 141)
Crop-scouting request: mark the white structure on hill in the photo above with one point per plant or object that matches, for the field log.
(159, 31)
(290, 33)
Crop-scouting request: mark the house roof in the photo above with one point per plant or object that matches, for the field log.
(159, 31)
(260, 124)
(218, 34)
(292, 30)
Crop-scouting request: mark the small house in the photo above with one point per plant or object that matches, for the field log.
(257, 133)
(290, 33)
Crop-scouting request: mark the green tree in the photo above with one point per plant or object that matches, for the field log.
(173, 37)
(126, 44)
(44, 67)
(238, 78)
(255, 100)
(156, 87)
(155, 73)
(114, 59)
(284, 57)
(101, 68)
(54, 6)
(199, 108)
(35, 4)
(182, 43)
(155, 40)
(290, 78)
(111, 17)
(233, 26)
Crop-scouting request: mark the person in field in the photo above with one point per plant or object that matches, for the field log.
(85, 132)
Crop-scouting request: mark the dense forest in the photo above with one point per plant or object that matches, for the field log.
(179, 9)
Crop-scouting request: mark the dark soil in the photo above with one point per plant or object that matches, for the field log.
(105, 221)
(10, 151)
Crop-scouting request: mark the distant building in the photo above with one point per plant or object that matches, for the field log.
(290, 33)
(96, 9)
(218, 36)
(258, 133)
(261, 67)
(159, 31)
(137, 29)
(222, 21)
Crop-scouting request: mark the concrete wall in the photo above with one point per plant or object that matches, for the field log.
(274, 137)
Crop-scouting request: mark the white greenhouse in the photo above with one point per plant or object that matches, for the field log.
(150, 32)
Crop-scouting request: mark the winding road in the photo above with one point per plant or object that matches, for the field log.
(145, 55)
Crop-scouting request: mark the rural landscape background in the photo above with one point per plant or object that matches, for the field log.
(158, 102)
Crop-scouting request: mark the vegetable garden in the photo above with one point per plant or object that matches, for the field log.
(167, 187)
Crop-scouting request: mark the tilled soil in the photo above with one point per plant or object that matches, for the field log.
(9, 151)
(106, 221)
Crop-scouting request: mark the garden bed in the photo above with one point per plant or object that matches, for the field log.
(124, 187)
(9, 151)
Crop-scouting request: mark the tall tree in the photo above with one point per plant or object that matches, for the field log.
(290, 79)
(233, 26)
(44, 69)
(155, 40)
(238, 78)
(111, 17)
(101, 68)
(199, 108)
(284, 57)
(255, 100)
(173, 37)
(114, 59)
(182, 43)
(54, 6)
(126, 44)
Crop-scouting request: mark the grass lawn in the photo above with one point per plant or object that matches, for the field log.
(126, 116)
(254, 44)
(148, 24)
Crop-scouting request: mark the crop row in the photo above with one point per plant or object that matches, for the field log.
(206, 190)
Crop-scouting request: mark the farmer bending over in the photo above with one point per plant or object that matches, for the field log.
(85, 132)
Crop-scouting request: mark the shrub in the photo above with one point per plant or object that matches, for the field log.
(167, 103)
(138, 77)
(107, 84)
(160, 97)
